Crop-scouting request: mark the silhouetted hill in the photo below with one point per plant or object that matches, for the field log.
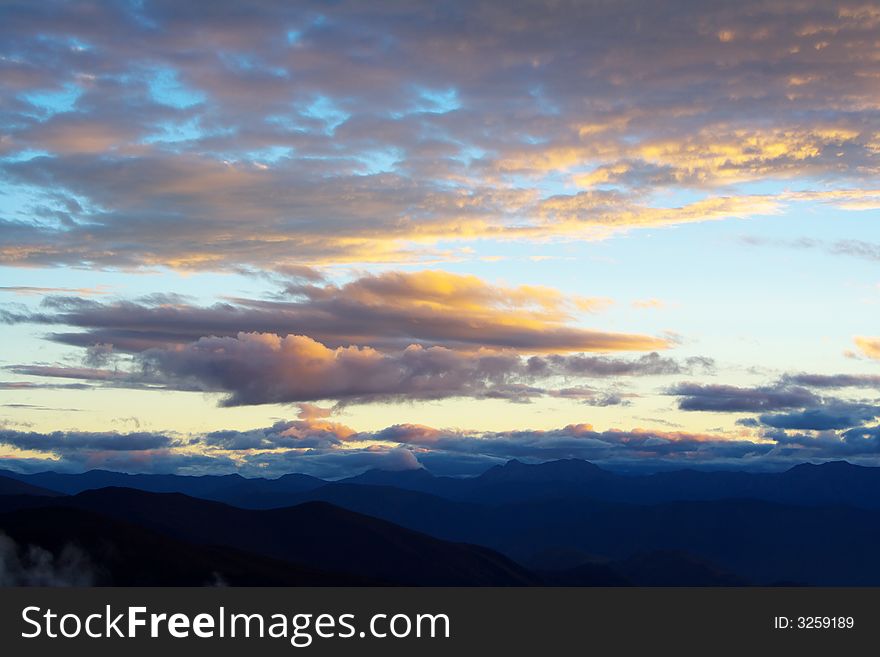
(741, 540)
(835, 482)
(71, 484)
(810, 524)
(10, 486)
(319, 535)
(829, 483)
(810, 485)
(659, 568)
(674, 568)
(564, 470)
(592, 573)
(74, 547)
(262, 493)
(762, 542)
(233, 489)
(422, 512)
(398, 478)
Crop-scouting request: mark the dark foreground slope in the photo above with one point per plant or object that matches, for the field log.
(61, 542)
(65, 546)
(315, 535)
(682, 543)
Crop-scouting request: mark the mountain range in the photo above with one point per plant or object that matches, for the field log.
(565, 522)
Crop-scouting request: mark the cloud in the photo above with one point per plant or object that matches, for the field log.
(261, 368)
(331, 450)
(75, 451)
(134, 139)
(835, 415)
(592, 397)
(75, 441)
(870, 347)
(311, 430)
(804, 409)
(32, 385)
(84, 373)
(602, 366)
(862, 441)
(580, 441)
(852, 248)
(863, 438)
(387, 310)
(36, 566)
(631, 449)
(264, 367)
(388, 336)
(833, 380)
(728, 398)
(648, 303)
(24, 290)
(330, 464)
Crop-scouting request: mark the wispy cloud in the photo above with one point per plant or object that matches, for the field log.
(869, 346)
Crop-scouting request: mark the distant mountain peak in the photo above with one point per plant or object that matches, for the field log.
(559, 470)
(412, 472)
(827, 466)
(390, 477)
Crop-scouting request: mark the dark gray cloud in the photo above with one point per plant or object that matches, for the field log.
(828, 444)
(64, 442)
(834, 415)
(68, 372)
(77, 451)
(866, 438)
(833, 380)
(803, 409)
(728, 398)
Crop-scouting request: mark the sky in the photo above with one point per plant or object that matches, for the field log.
(323, 237)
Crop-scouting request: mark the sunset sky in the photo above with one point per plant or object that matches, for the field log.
(321, 237)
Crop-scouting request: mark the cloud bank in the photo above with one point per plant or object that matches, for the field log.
(154, 135)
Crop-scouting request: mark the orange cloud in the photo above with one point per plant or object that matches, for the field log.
(391, 310)
(719, 155)
(869, 346)
(648, 303)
